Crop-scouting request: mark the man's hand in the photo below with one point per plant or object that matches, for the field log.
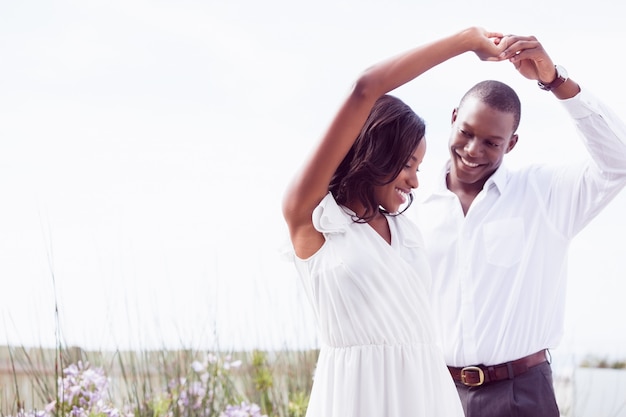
(529, 58)
(533, 62)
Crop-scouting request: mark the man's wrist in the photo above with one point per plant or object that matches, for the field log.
(560, 77)
(566, 90)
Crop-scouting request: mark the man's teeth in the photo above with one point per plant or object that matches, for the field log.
(468, 163)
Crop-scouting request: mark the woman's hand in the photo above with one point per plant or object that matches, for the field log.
(485, 44)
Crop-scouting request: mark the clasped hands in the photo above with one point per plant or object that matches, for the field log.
(525, 52)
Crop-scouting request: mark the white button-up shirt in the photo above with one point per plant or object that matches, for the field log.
(499, 272)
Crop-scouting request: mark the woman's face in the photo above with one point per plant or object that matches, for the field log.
(395, 194)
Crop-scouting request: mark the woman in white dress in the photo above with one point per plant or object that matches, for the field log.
(360, 260)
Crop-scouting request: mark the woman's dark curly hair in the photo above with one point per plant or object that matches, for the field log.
(387, 140)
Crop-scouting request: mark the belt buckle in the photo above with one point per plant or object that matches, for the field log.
(481, 376)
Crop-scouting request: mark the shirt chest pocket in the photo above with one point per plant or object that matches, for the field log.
(504, 241)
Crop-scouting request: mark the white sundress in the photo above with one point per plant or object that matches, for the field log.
(378, 354)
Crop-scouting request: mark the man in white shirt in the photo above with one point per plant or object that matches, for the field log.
(498, 239)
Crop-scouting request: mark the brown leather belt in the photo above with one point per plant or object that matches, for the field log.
(473, 376)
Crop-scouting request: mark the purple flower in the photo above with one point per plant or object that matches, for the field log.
(83, 392)
(242, 410)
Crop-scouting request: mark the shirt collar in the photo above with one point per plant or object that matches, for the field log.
(498, 180)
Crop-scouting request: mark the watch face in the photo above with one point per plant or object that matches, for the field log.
(561, 72)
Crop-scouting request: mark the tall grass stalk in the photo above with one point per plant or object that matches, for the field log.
(58, 367)
(17, 390)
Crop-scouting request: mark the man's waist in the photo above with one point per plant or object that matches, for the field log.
(476, 375)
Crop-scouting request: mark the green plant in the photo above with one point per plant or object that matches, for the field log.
(297, 405)
(595, 362)
(263, 380)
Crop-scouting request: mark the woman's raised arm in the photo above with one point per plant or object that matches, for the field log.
(311, 183)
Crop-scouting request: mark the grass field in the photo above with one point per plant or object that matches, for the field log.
(76, 383)
(154, 383)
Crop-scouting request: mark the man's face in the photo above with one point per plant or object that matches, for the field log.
(479, 139)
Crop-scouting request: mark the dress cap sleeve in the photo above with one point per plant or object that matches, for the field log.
(328, 217)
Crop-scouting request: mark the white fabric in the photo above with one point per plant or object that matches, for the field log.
(499, 273)
(378, 355)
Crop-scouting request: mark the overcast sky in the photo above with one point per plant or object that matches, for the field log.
(145, 146)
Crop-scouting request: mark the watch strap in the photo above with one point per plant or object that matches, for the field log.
(561, 77)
